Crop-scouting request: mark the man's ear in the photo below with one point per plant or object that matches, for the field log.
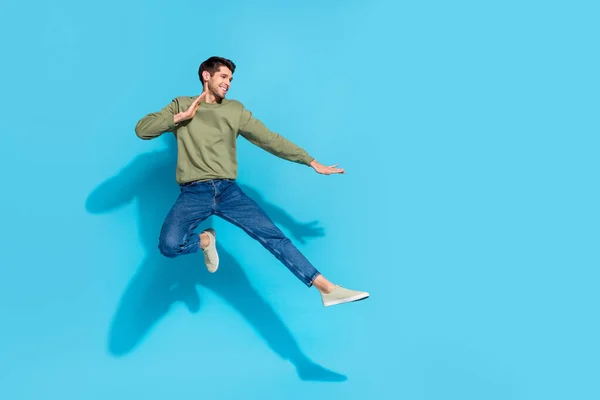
(205, 75)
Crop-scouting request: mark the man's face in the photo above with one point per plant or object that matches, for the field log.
(220, 82)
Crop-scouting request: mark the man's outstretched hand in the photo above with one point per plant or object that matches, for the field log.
(322, 169)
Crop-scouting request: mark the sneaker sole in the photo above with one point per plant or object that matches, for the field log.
(350, 299)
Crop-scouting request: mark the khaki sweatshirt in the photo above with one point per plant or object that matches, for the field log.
(207, 143)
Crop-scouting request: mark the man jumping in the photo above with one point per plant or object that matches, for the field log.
(206, 128)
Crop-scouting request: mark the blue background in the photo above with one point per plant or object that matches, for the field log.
(469, 132)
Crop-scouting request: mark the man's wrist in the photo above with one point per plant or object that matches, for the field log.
(177, 118)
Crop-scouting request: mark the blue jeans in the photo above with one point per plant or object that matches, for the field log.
(224, 198)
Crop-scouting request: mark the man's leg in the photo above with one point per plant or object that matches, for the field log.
(194, 204)
(236, 207)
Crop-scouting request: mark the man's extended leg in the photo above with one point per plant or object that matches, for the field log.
(236, 207)
(194, 204)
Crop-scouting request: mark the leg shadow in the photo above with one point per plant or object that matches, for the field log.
(155, 288)
(160, 283)
(234, 286)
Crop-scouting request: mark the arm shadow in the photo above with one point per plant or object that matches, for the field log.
(160, 282)
(300, 231)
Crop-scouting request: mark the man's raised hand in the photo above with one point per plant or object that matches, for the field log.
(191, 111)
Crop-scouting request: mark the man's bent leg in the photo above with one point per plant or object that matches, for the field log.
(235, 206)
(194, 205)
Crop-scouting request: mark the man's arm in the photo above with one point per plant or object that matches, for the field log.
(257, 133)
(157, 123)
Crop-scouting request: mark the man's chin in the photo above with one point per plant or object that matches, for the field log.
(217, 94)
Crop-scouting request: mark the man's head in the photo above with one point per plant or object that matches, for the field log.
(217, 73)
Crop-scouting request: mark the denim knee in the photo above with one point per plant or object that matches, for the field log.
(169, 247)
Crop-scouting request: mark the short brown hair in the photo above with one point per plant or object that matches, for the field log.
(213, 64)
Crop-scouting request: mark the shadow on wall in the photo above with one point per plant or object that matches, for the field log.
(160, 282)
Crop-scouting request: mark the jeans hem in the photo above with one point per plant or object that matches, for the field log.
(315, 276)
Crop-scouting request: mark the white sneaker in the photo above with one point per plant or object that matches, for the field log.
(211, 257)
(341, 295)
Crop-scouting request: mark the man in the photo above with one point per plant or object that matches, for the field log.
(206, 128)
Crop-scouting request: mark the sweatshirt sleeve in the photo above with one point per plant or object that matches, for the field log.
(157, 123)
(257, 133)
